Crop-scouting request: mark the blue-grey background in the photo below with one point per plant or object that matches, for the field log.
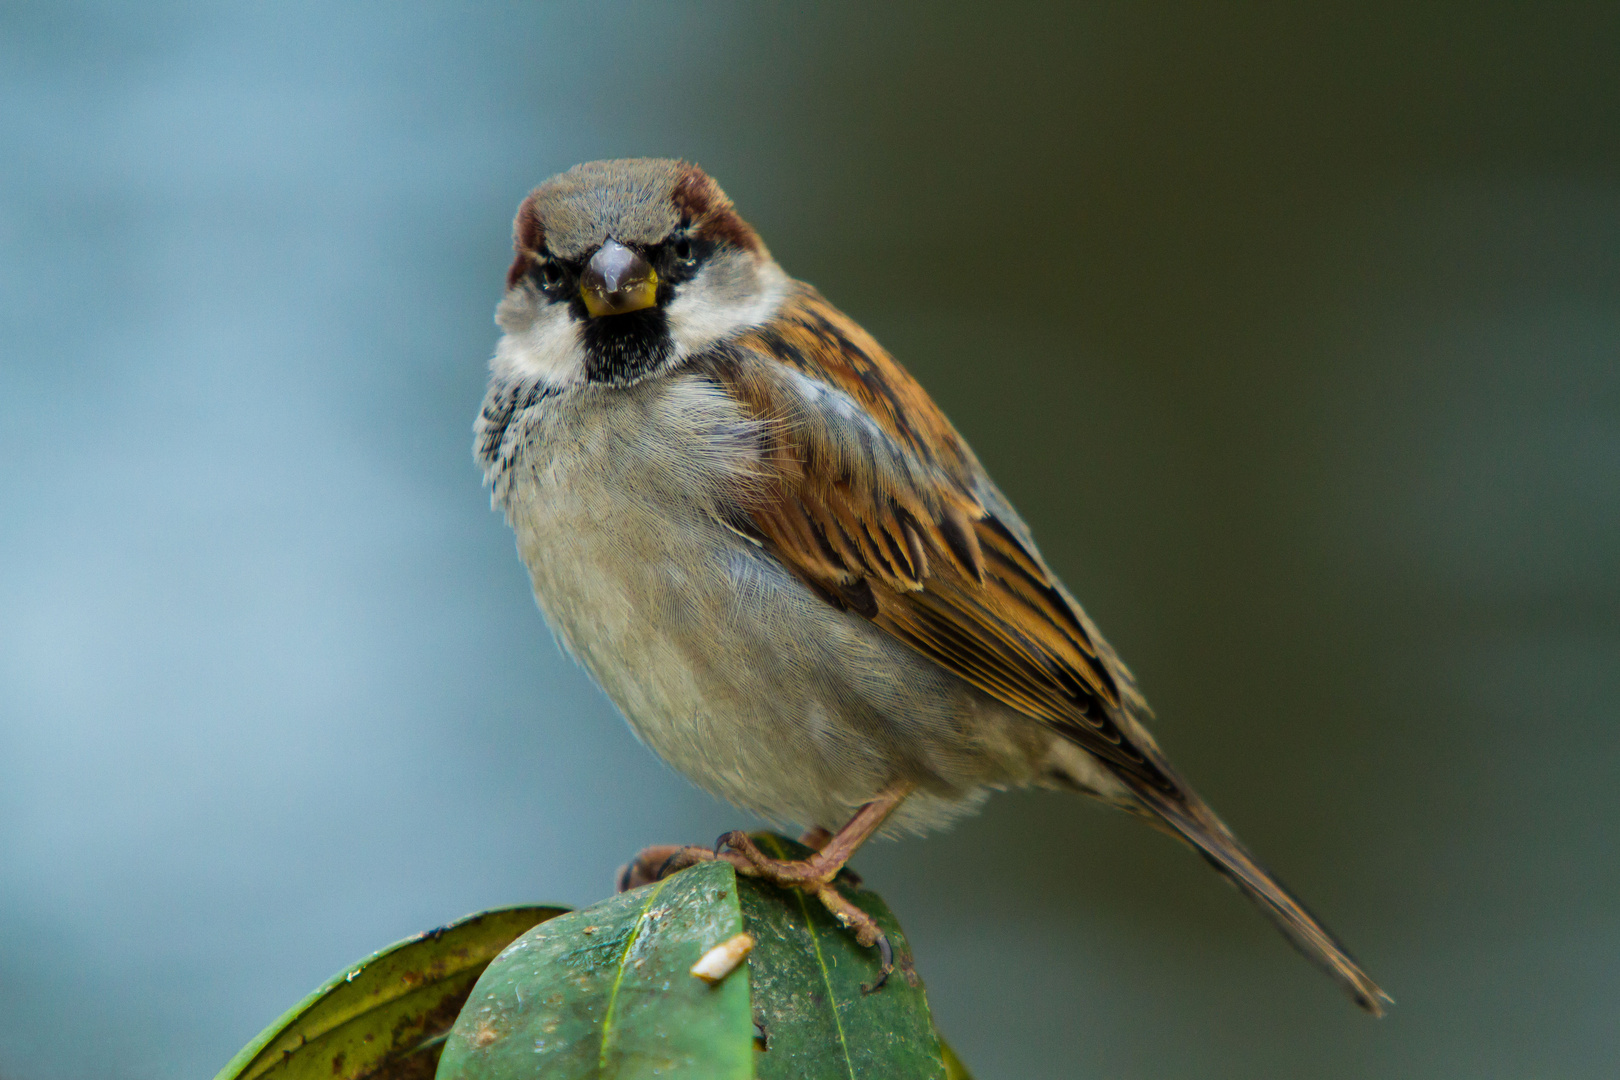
(1296, 336)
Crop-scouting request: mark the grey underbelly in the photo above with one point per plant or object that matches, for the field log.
(737, 675)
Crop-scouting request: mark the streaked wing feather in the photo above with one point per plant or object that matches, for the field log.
(875, 508)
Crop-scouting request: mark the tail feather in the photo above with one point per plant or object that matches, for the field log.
(1195, 822)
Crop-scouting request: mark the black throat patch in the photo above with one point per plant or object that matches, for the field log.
(620, 349)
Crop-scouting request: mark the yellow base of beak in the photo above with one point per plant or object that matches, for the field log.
(631, 297)
(617, 280)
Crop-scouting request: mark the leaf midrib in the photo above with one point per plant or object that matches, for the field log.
(826, 981)
(826, 976)
(618, 975)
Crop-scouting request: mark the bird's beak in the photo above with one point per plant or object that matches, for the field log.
(617, 280)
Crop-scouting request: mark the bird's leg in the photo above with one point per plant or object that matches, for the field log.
(815, 837)
(657, 862)
(821, 867)
(815, 874)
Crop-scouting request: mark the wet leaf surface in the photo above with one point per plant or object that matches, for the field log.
(386, 1017)
(608, 992)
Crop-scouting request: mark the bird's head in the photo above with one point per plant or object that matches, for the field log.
(624, 268)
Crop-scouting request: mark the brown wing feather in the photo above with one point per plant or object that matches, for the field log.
(905, 540)
(923, 557)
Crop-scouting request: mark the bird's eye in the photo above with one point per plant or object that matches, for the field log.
(551, 272)
(683, 249)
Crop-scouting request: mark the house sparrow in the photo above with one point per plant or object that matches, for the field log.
(773, 552)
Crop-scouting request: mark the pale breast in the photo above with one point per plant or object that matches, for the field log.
(723, 662)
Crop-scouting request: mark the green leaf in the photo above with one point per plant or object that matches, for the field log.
(384, 1018)
(608, 992)
(808, 972)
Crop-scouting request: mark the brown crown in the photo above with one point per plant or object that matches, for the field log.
(693, 194)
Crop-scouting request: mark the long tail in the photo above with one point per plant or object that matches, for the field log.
(1188, 816)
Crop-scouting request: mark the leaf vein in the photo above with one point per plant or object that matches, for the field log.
(618, 975)
(826, 976)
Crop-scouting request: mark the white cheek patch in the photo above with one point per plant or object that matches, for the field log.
(709, 308)
(549, 351)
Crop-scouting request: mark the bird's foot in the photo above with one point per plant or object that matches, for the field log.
(815, 839)
(815, 876)
(659, 861)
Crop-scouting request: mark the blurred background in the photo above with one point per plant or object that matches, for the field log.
(1295, 336)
